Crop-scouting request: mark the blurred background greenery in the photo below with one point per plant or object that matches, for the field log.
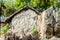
(8, 7)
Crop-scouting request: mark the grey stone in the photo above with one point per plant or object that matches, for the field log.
(23, 23)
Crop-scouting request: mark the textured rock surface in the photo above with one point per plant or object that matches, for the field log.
(57, 26)
(49, 31)
(48, 24)
(23, 23)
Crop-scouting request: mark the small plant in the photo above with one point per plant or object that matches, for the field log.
(34, 31)
(4, 29)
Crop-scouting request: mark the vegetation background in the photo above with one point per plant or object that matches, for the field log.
(8, 7)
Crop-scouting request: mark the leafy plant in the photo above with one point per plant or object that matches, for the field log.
(34, 31)
(4, 29)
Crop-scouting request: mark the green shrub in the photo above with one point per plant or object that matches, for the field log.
(4, 29)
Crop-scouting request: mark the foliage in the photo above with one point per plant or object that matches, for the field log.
(6, 7)
(58, 4)
(4, 29)
(13, 5)
(34, 31)
(19, 3)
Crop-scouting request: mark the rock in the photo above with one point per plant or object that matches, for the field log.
(9, 36)
(49, 31)
(57, 27)
(29, 37)
(23, 23)
(48, 23)
(54, 38)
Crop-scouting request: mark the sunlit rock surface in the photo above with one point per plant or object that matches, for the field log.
(50, 27)
(23, 23)
(48, 24)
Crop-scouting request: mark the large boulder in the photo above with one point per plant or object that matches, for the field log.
(23, 23)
